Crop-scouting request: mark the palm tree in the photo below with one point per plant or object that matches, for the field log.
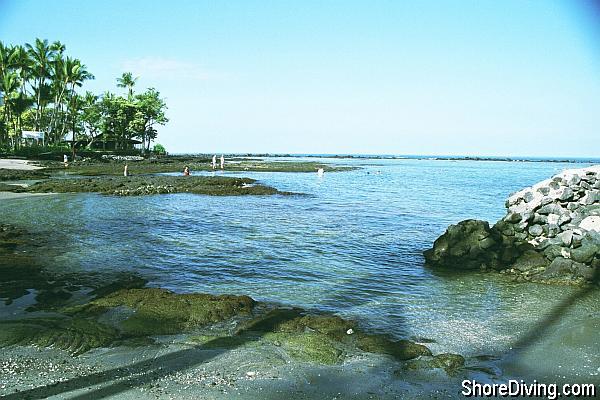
(5, 52)
(127, 81)
(41, 54)
(92, 116)
(9, 86)
(19, 61)
(59, 87)
(77, 73)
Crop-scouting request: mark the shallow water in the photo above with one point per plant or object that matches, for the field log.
(352, 245)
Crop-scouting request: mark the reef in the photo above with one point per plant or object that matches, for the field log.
(18, 175)
(150, 184)
(138, 165)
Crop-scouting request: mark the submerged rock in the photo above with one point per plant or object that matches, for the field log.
(449, 362)
(325, 338)
(305, 337)
(399, 349)
(162, 312)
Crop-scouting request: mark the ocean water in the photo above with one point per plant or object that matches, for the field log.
(351, 244)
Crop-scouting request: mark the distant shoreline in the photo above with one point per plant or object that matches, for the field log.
(581, 160)
(21, 162)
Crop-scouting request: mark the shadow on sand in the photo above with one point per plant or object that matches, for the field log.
(538, 331)
(140, 373)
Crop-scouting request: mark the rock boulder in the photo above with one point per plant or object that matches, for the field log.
(550, 233)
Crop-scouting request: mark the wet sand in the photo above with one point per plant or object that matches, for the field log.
(184, 371)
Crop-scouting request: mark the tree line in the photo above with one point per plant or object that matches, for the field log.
(40, 91)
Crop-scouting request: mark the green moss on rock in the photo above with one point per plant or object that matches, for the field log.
(221, 342)
(296, 320)
(308, 346)
(151, 184)
(270, 322)
(327, 336)
(449, 362)
(330, 325)
(161, 312)
(76, 335)
(17, 174)
(399, 349)
(199, 163)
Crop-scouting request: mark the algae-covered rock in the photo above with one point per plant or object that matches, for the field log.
(221, 342)
(195, 163)
(308, 346)
(325, 335)
(331, 325)
(151, 184)
(4, 187)
(10, 237)
(75, 335)
(297, 320)
(449, 362)
(312, 347)
(17, 174)
(399, 349)
(305, 337)
(162, 312)
(272, 321)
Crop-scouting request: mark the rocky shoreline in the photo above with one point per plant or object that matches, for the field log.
(174, 164)
(126, 312)
(76, 317)
(148, 185)
(550, 234)
(19, 174)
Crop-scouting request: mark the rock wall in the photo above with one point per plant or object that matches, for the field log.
(551, 233)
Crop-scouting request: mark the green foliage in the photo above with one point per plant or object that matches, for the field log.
(39, 91)
(50, 151)
(159, 149)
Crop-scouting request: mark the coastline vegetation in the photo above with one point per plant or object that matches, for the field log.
(39, 93)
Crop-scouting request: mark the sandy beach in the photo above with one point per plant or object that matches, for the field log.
(24, 165)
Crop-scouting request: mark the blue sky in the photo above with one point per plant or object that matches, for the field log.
(370, 77)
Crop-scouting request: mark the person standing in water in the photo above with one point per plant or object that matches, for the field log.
(214, 162)
(186, 171)
(125, 172)
(222, 161)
